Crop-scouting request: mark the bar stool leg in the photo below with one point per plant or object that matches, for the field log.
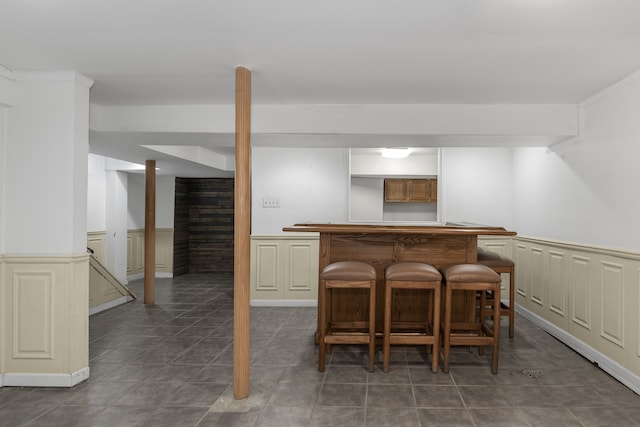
(511, 304)
(435, 348)
(322, 322)
(496, 330)
(386, 336)
(372, 325)
(447, 329)
(482, 317)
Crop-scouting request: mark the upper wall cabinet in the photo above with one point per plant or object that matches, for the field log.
(411, 190)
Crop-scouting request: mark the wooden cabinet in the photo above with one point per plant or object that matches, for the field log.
(410, 190)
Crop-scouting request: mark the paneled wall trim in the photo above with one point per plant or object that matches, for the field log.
(40, 298)
(586, 296)
(135, 253)
(284, 269)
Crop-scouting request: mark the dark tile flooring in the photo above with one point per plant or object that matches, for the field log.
(170, 364)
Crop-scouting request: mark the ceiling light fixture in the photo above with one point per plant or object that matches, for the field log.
(395, 153)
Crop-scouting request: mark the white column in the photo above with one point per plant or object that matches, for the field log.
(45, 268)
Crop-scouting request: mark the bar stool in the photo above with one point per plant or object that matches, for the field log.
(412, 275)
(346, 275)
(501, 264)
(472, 331)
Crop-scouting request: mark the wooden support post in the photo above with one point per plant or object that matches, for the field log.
(242, 231)
(150, 232)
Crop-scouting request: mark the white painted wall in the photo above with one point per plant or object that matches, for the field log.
(588, 193)
(311, 184)
(366, 199)
(3, 168)
(96, 193)
(477, 185)
(165, 196)
(116, 224)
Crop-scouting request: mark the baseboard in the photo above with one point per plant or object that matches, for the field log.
(45, 380)
(607, 364)
(107, 305)
(163, 275)
(283, 303)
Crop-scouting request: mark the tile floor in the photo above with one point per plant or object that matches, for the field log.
(170, 364)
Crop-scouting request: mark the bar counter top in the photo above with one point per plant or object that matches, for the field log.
(459, 228)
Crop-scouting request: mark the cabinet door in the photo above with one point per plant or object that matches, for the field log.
(419, 190)
(432, 191)
(395, 190)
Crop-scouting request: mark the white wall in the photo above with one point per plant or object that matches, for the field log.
(96, 194)
(311, 184)
(3, 176)
(477, 185)
(589, 192)
(116, 224)
(165, 196)
(367, 199)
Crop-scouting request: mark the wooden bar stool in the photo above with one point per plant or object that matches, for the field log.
(412, 275)
(346, 275)
(472, 331)
(501, 264)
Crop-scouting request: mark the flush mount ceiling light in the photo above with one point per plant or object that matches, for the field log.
(395, 153)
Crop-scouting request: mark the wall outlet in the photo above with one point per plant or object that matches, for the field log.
(270, 203)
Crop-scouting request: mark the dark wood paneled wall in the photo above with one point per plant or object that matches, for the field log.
(203, 225)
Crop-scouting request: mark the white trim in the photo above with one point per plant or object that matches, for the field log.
(107, 305)
(604, 93)
(605, 363)
(284, 303)
(290, 235)
(45, 380)
(159, 275)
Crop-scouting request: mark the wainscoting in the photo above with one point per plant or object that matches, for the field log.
(588, 297)
(284, 269)
(41, 299)
(135, 253)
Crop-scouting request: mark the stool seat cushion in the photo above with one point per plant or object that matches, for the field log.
(348, 270)
(413, 272)
(470, 273)
(492, 259)
(497, 262)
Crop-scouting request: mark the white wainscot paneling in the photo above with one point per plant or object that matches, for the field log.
(580, 288)
(636, 320)
(267, 260)
(522, 271)
(612, 302)
(303, 265)
(558, 290)
(537, 278)
(284, 269)
(32, 315)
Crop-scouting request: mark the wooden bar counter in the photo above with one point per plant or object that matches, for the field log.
(383, 245)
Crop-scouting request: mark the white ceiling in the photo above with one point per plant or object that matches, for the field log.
(162, 52)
